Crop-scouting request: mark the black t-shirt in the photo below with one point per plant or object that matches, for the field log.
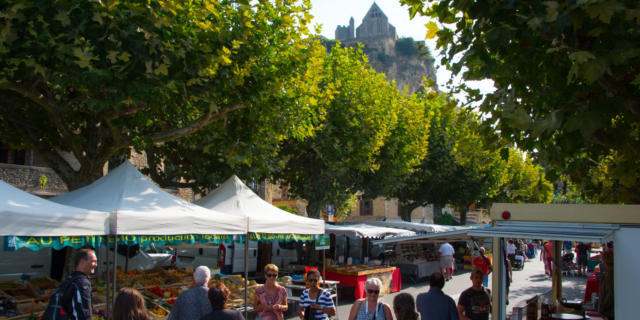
(582, 249)
(477, 304)
(223, 314)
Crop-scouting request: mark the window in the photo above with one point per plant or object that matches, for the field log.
(366, 207)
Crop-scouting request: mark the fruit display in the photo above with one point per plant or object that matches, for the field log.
(360, 269)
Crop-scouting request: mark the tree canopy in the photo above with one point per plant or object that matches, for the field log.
(367, 127)
(567, 79)
(461, 166)
(523, 181)
(94, 78)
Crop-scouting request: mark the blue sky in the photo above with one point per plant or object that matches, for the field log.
(331, 13)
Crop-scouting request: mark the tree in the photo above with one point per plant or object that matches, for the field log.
(428, 184)
(524, 182)
(566, 73)
(362, 114)
(91, 79)
(461, 166)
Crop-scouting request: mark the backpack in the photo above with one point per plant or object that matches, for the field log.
(54, 310)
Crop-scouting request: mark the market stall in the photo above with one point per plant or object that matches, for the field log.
(235, 198)
(264, 221)
(144, 214)
(417, 256)
(36, 219)
(350, 272)
(586, 223)
(421, 228)
(356, 275)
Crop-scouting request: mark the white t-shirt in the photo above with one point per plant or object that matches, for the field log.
(511, 249)
(446, 249)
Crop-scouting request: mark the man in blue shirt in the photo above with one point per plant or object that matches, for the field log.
(434, 304)
(194, 303)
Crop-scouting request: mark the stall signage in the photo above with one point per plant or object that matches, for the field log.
(323, 242)
(13, 243)
(281, 237)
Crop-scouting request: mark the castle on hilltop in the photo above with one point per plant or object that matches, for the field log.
(375, 25)
(375, 30)
(399, 59)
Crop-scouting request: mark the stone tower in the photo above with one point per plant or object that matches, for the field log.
(375, 25)
(346, 33)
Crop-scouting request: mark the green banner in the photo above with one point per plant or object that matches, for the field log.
(13, 243)
(281, 237)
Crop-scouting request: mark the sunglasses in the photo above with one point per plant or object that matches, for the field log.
(271, 275)
(312, 280)
(373, 291)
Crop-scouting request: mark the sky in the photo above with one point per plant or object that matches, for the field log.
(331, 13)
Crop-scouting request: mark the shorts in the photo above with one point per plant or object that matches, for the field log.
(446, 262)
(581, 260)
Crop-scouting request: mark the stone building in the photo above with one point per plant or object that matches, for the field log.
(399, 59)
(346, 33)
(26, 170)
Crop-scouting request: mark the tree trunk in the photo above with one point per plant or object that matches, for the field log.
(314, 209)
(437, 211)
(405, 211)
(463, 215)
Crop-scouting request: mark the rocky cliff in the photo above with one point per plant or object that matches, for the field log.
(404, 60)
(407, 62)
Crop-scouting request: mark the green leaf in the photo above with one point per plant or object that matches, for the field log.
(552, 10)
(63, 17)
(581, 56)
(83, 57)
(112, 56)
(636, 81)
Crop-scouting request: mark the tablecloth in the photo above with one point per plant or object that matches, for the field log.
(593, 285)
(357, 282)
(420, 269)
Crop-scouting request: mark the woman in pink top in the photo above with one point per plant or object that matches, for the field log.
(271, 298)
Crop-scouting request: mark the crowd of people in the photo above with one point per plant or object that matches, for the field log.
(209, 302)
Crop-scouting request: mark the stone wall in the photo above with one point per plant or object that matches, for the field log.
(27, 178)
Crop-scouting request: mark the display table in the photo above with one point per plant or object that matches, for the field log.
(419, 270)
(356, 275)
(593, 285)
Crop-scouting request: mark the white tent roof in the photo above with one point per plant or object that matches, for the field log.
(23, 214)
(362, 230)
(145, 209)
(236, 198)
(418, 227)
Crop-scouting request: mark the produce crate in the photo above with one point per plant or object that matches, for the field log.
(40, 285)
(156, 311)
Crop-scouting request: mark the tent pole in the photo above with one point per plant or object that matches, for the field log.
(324, 268)
(246, 272)
(126, 261)
(115, 264)
(108, 280)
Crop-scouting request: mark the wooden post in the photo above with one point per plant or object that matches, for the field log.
(557, 271)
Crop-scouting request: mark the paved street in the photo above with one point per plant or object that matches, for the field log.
(526, 283)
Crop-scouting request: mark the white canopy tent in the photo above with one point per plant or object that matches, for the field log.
(144, 209)
(23, 214)
(235, 198)
(362, 230)
(417, 227)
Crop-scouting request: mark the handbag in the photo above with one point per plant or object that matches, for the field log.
(309, 314)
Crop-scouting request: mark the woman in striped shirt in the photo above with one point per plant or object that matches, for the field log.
(315, 300)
